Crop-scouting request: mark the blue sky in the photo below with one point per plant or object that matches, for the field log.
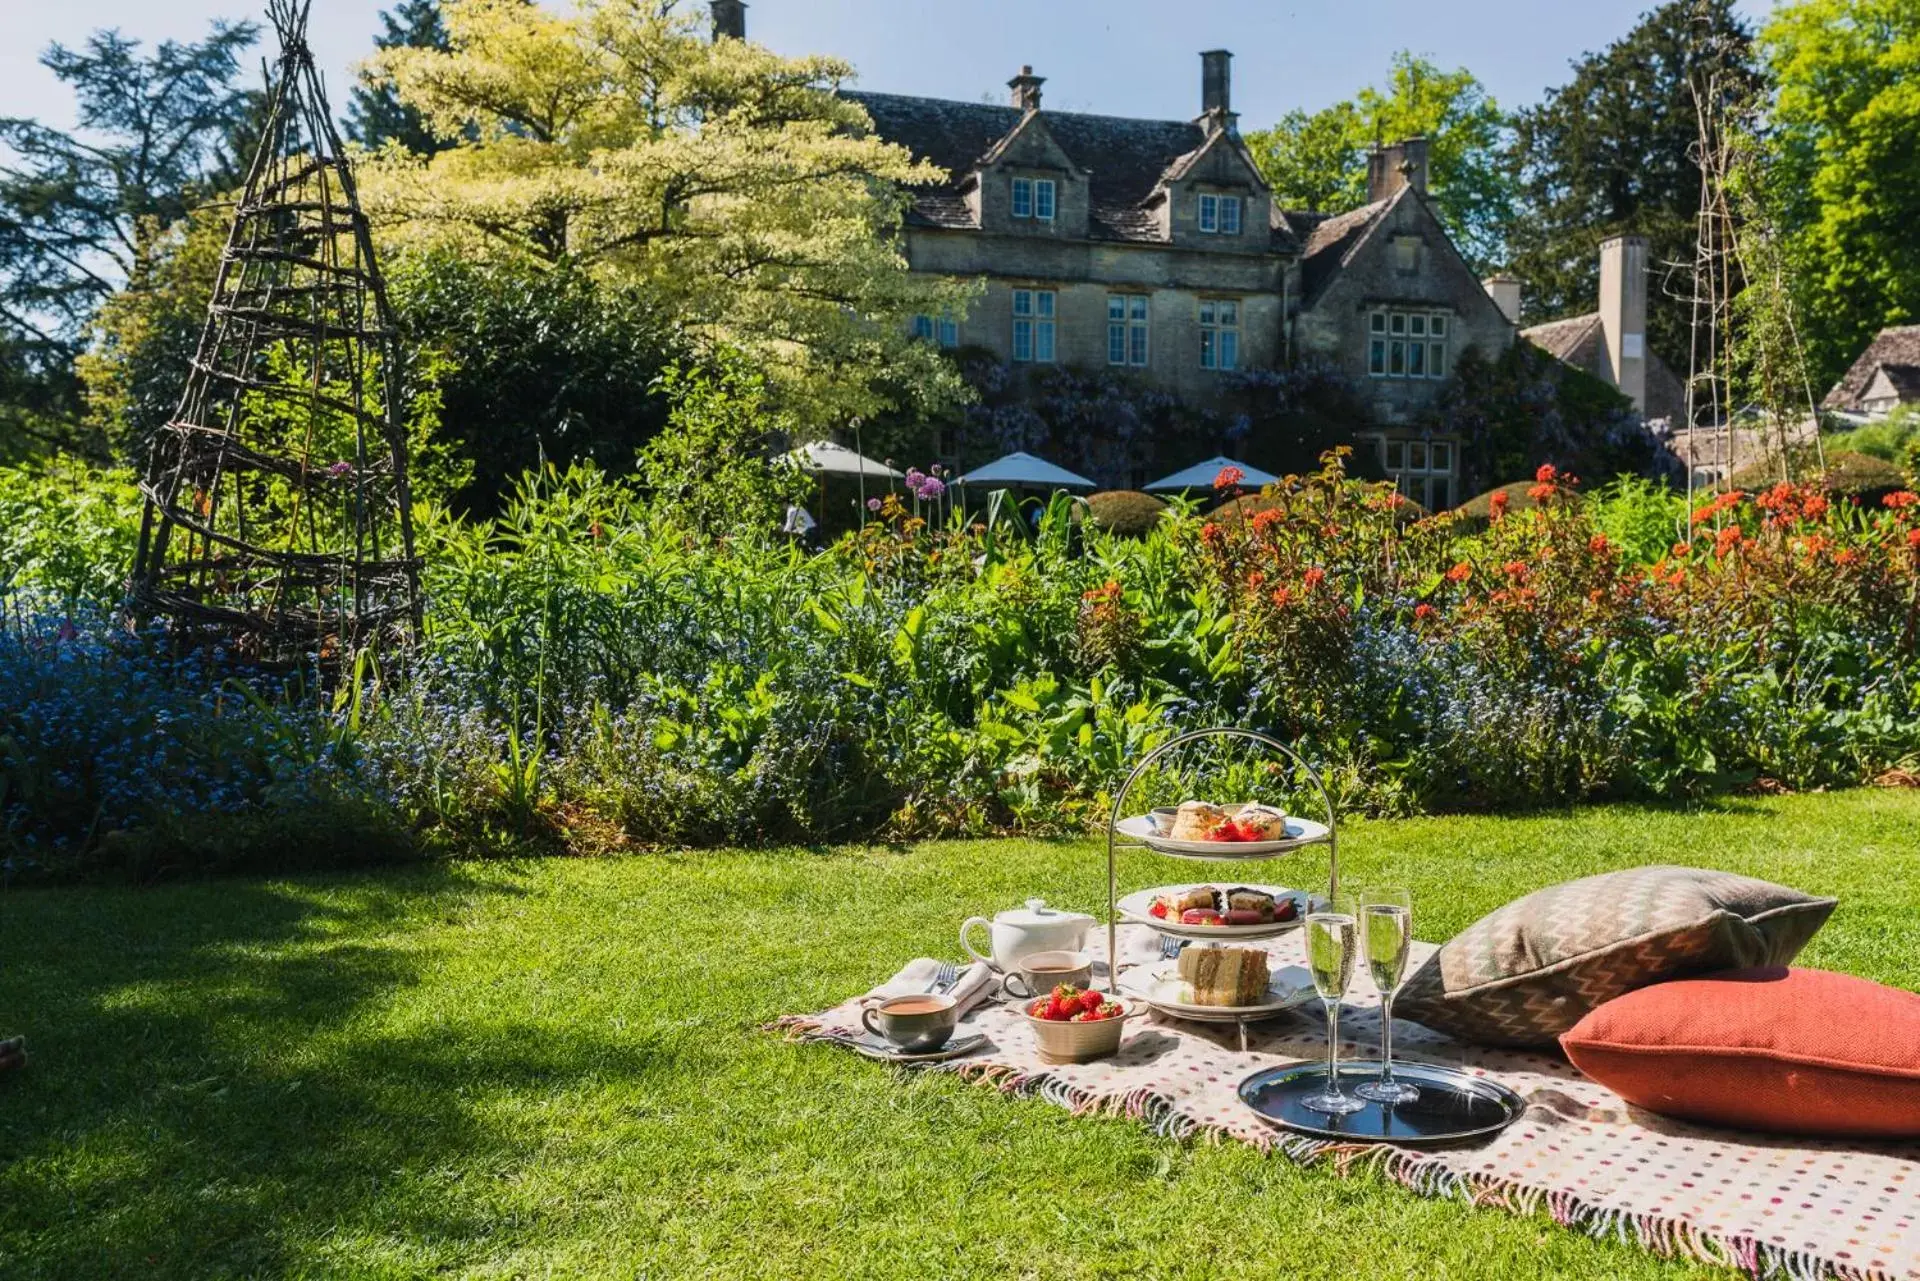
(1120, 57)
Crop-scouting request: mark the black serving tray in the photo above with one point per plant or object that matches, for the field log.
(1453, 1107)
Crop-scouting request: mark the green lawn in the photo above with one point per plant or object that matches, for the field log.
(553, 1069)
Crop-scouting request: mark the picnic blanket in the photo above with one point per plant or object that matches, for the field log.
(1771, 1206)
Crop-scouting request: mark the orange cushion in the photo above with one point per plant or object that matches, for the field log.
(1791, 1051)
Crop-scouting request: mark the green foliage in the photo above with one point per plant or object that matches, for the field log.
(1318, 161)
(66, 536)
(1611, 152)
(533, 363)
(375, 114)
(1524, 408)
(712, 472)
(1846, 127)
(1895, 438)
(82, 210)
(1643, 518)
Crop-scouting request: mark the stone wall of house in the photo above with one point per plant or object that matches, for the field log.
(1403, 261)
(1082, 274)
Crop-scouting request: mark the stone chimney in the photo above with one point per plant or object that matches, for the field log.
(1216, 89)
(1026, 89)
(729, 19)
(1396, 165)
(1505, 292)
(1623, 315)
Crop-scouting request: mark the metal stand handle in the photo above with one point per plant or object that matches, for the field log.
(1119, 811)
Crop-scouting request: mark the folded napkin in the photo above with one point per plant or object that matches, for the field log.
(977, 983)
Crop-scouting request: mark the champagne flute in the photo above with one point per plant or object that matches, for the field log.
(1331, 944)
(1386, 926)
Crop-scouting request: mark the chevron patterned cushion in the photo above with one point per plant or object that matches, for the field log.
(1527, 972)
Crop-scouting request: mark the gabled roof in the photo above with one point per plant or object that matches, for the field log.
(1899, 345)
(1125, 159)
(1575, 340)
(1903, 379)
(1329, 239)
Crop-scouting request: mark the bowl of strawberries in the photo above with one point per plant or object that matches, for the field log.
(1073, 1025)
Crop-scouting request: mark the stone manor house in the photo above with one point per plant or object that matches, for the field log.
(1155, 246)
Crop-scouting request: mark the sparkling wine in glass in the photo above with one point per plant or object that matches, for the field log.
(1386, 927)
(1332, 941)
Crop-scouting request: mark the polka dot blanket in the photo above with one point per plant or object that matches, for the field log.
(1767, 1205)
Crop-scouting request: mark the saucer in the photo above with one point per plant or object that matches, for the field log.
(881, 1052)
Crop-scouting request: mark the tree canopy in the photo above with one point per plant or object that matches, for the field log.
(80, 210)
(1610, 152)
(732, 182)
(375, 114)
(1846, 154)
(1318, 160)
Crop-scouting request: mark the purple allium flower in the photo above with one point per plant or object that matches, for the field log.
(930, 489)
(339, 469)
(873, 504)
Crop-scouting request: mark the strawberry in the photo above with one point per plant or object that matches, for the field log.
(1228, 831)
(1091, 1000)
(1086, 1016)
(1066, 992)
(1109, 1010)
(1158, 910)
(1060, 1011)
(1038, 1009)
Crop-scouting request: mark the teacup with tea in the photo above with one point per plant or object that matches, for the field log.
(918, 1023)
(1040, 973)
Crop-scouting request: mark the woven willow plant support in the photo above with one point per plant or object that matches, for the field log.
(276, 509)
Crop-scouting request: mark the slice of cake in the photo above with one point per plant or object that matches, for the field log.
(1225, 975)
(1197, 821)
(1258, 904)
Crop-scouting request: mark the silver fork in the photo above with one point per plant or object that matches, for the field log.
(945, 977)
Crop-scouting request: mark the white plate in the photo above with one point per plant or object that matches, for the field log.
(1300, 831)
(1134, 907)
(1160, 986)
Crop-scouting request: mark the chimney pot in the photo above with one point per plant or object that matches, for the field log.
(1505, 292)
(729, 19)
(1396, 165)
(1216, 84)
(1026, 89)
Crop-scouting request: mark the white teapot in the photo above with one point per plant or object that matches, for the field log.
(1019, 932)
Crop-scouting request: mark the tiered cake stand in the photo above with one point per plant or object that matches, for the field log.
(1137, 830)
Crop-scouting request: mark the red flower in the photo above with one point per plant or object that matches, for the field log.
(1282, 597)
(1814, 507)
(1845, 556)
(1424, 612)
(1313, 578)
(1460, 573)
(1229, 478)
(1681, 549)
(1255, 579)
(1265, 519)
(1540, 493)
(1212, 535)
(1900, 498)
(1599, 545)
(1497, 505)
(1724, 541)
(1913, 539)
(1516, 569)
(1546, 474)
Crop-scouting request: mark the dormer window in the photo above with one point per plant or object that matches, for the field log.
(1219, 215)
(1033, 198)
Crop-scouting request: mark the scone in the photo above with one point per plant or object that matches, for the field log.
(1261, 822)
(1225, 975)
(1197, 821)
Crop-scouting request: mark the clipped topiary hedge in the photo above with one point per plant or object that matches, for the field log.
(1124, 511)
(1861, 477)
(1474, 514)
